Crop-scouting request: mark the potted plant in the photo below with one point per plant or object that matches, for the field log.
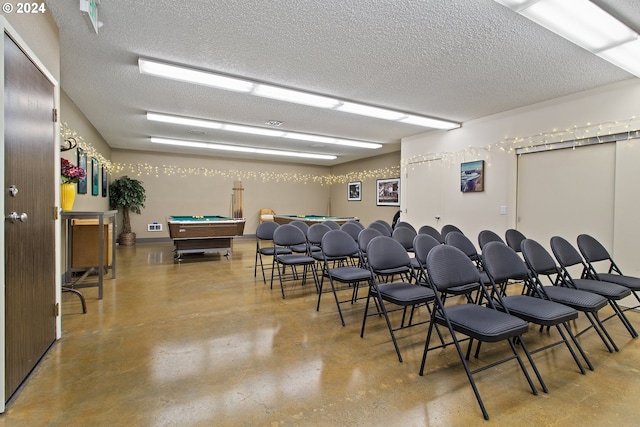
(69, 176)
(128, 194)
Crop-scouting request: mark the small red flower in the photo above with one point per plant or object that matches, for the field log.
(70, 173)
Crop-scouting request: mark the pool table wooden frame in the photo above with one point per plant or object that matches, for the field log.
(199, 235)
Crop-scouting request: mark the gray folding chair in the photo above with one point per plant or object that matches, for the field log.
(514, 239)
(569, 256)
(486, 236)
(448, 228)
(264, 246)
(384, 254)
(504, 266)
(431, 231)
(405, 236)
(541, 263)
(448, 267)
(338, 244)
(286, 236)
(382, 228)
(594, 253)
(365, 236)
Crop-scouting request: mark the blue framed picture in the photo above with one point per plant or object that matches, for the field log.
(105, 181)
(472, 176)
(95, 177)
(82, 163)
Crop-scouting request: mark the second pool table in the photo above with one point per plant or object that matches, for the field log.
(312, 219)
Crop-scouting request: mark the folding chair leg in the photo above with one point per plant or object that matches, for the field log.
(281, 284)
(602, 332)
(624, 319)
(383, 309)
(578, 346)
(485, 414)
(533, 366)
(573, 353)
(335, 295)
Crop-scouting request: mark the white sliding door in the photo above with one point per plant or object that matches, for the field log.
(567, 192)
(626, 244)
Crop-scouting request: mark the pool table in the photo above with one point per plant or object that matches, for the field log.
(312, 219)
(203, 233)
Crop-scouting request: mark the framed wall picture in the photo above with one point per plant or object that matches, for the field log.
(105, 181)
(82, 163)
(95, 177)
(354, 191)
(472, 176)
(388, 192)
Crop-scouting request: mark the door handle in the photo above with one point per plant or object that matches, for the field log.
(14, 217)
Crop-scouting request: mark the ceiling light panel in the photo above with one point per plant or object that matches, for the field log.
(365, 110)
(581, 22)
(587, 25)
(625, 56)
(294, 96)
(253, 130)
(241, 149)
(191, 75)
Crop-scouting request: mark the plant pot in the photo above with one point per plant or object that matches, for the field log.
(67, 196)
(127, 239)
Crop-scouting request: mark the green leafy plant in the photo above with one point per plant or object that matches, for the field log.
(129, 195)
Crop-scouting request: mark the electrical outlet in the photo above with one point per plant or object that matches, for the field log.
(154, 227)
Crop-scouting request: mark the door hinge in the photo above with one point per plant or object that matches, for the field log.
(56, 309)
(55, 115)
(55, 212)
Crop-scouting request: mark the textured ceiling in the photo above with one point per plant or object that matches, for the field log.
(456, 60)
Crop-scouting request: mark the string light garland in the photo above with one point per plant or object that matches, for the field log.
(577, 136)
(67, 134)
(146, 169)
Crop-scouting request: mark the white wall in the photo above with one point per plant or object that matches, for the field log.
(474, 212)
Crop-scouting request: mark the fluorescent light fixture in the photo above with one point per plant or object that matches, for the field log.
(585, 24)
(625, 56)
(294, 96)
(240, 149)
(237, 84)
(365, 110)
(429, 123)
(253, 130)
(186, 121)
(192, 75)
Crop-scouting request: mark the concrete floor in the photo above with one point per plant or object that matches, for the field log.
(203, 343)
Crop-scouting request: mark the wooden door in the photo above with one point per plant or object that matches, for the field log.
(30, 323)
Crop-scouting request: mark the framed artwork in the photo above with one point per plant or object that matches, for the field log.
(388, 192)
(472, 176)
(82, 163)
(354, 191)
(105, 181)
(95, 176)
